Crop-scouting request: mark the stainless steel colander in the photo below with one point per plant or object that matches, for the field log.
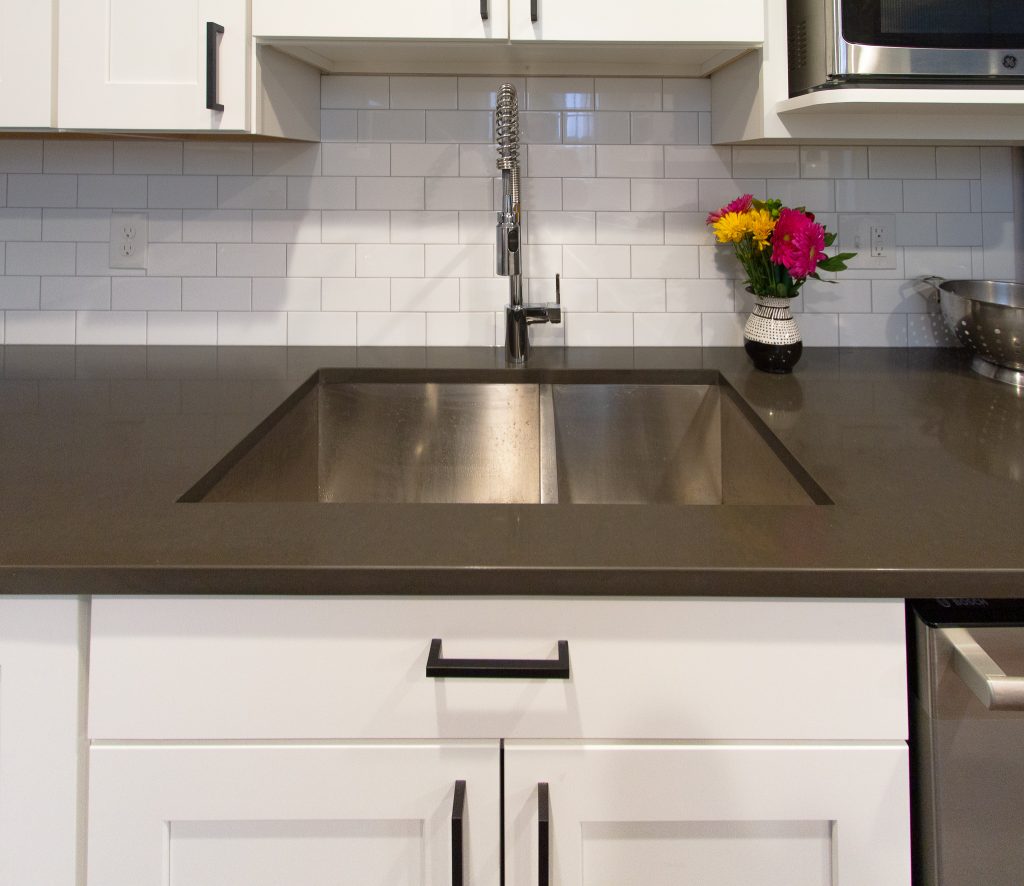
(987, 316)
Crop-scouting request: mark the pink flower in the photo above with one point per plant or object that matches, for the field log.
(740, 204)
(798, 244)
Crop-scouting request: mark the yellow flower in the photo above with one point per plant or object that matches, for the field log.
(760, 224)
(731, 227)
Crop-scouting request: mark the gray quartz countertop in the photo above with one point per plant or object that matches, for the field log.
(923, 460)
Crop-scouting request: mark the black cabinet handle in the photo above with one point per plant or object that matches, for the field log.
(458, 806)
(483, 9)
(543, 669)
(533, 10)
(543, 835)
(212, 30)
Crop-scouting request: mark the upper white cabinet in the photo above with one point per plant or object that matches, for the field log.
(677, 37)
(434, 20)
(750, 103)
(26, 62)
(144, 64)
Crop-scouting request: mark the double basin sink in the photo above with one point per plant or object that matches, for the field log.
(529, 437)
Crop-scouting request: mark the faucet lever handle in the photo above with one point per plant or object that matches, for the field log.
(558, 289)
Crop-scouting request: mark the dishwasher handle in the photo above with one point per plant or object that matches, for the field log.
(988, 681)
(542, 669)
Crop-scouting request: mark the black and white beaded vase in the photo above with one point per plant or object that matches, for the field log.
(771, 336)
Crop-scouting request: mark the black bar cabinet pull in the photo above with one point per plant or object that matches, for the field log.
(458, 805)
(543, 669)
(543, 835)
(483, 9)
(212, 30)
(533, 10)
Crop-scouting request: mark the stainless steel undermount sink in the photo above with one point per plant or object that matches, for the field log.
(549, 437)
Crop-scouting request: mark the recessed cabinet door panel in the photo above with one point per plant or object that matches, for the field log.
(399, 19)
(291, 815)
(663, 21)
(26, 57)
(142, 64)
(713, 814)
(39, 673)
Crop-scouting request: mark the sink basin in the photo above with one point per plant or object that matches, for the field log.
(391, 437)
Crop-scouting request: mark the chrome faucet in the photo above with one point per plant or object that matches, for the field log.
(508, 256)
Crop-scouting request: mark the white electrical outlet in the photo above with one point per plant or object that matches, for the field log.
(129, 237)
(872, 237)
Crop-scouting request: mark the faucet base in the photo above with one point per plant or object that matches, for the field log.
(517, 338)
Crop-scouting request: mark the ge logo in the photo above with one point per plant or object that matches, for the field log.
(1009, 61)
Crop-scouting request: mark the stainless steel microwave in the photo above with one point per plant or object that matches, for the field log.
(874, 42)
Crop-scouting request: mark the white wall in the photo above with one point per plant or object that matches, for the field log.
(383, 233)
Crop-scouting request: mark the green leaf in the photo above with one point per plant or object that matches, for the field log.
(830, 238)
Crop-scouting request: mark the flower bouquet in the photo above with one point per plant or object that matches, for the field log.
(779, 248)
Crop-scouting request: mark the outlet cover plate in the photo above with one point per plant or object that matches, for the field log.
(129, 239)
(855, 235)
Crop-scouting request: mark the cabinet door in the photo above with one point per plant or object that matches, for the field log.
(292, 815)
(142, 65)
(39, 676)
(26, 59)
(714, 814)
(399, 19)
(661, 21)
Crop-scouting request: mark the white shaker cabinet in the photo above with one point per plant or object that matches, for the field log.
(317, 815)
(26, 64)
(39, 709)
(718, 814)
(625, 21)
(400, 19)
(143, 64)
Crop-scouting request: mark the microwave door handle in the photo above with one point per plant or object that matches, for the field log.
(988, 681)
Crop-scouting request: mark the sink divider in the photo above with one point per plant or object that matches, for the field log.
(548, 460)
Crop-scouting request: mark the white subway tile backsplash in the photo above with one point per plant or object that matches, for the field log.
(22, 224)
(71, 225)
(75, 294)
(285, 226)
(627, 93)
(900, 297)
(425, 294)
(286, 294)
(697, 161)
(595, 128)
(465, 330)
(431, 226)
(608, 194)
(559, 94)
(324, 328)
(996, 180)
(957, 162)
(216, 226)
(355, 226)
(393, 329)
(181, 328)
(217, 158)
(78, 156)
(916, 229)
(959, 229)
(113, 191)
(252, 328)
(561, 161)
(631, 227)
(665, 261)
(145, 294)
(356, 294)
(481, 93)
(458, 261)
(609, 330)
(21, 155)
(667, 330)
(424, 92)
(19, 293)
(425, 160)
(840, 297)
(537, 193)
(872, 330)
(901, 161)
(833, 162)
(561, 227)
(37, 190)
(699, 296)
(478, 160)
(460, 127)
(693, 94)
(476, 226)
(954, 262)
(182, 259)
(639, 296)
(110, 328)
(216, 294)
(820, 330)
(40, 328)
(147, 157)
(539, 128)
(541, 261)
(817, 195)
(454, 193)
(630, 161)
(38, 259)
(243, 260)
(596, 261)
(335, 192)
(486, 294)
(873, 195)
(714, 193)
(387, 260)
(689, 228)
(183, 191)
(3, 189)
(722, 330)
(390, 193)
(354, 91)
(936, 196)
(251, 192)
(339, 126)
(391, 126)
(285, 159)
(312, 260)
(366, 159)
(664, 128)
(663, 195)
(93, 260)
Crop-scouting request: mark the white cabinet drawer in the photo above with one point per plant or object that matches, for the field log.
(355, 667)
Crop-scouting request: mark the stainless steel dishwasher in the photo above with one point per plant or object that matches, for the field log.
(967, 741)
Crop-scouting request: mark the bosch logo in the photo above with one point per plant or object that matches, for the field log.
(1009, 62)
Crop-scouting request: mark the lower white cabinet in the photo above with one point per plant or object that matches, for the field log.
(39, 740)
(294, 815)
(715, 814)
